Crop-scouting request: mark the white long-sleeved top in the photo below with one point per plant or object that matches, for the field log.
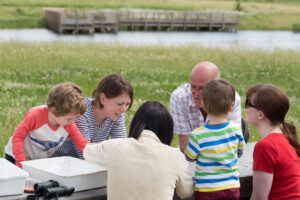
(142, 169)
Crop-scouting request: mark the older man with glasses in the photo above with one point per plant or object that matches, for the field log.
(186, 104)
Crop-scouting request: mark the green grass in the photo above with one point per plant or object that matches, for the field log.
(29, 70)
(255, 15)
(276, 21)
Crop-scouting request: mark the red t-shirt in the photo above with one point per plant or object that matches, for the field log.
(275, 155)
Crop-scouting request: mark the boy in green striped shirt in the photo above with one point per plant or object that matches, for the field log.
(214, 146)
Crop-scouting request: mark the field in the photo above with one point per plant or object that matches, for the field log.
(253, 14)
(29, 70)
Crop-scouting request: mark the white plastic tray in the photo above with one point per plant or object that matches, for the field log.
(12, 178)
(68, 171)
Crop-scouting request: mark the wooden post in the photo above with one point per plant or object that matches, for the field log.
(92, 29)
(198, 21)
(210, 22)
(76, 22)
(172, 19)
(184, 21)
(132, 21)
(58, 23)
(158, 23)
(145, 28)
(118, 25)
(223, 22)
(101, 21)
(236, 22)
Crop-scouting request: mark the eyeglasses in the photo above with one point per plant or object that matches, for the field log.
(194, 88)
(248, 104)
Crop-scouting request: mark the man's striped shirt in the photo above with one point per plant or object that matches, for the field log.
(215, 150)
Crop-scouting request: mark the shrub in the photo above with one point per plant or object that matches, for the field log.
(238, 6)
(296, 27)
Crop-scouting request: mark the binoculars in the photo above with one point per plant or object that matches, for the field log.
(58, 192)
(50, 189)
(39, 188)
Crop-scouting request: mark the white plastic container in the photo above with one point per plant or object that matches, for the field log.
(12, 178)
(68, 171)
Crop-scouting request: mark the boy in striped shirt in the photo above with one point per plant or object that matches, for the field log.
(214, 146)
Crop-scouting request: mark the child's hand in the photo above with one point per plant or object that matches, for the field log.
(19, 164)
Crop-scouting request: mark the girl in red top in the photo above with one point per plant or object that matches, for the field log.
(276, 166)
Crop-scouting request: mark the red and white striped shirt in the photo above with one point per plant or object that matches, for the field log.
(36, 138)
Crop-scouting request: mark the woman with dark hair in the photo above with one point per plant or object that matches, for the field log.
(154, 117)
(104, 116)
(276, 166)
(144, 166)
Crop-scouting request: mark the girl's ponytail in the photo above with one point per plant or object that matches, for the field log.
(290, 132)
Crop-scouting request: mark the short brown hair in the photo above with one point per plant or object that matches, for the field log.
(113, 85)
(66, 98)
(218, 95)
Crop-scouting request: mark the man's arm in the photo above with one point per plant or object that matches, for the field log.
(236, 116)
(236, 113)
(178, 110)
(183, 142)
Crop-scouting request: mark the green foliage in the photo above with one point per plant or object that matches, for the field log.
(296, 27)
(20, 11)
(29, 70)
(238, 6)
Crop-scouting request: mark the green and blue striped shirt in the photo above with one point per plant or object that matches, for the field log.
(214, 147)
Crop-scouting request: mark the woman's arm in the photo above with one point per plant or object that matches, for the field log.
(100, 153)
(185, 183)
(94, 152)
(119, 129)
(262, 183)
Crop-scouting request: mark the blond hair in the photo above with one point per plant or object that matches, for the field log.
(66, 98)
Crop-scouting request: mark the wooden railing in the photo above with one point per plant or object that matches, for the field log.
(109, 20)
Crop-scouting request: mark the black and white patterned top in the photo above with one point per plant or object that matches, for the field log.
(92, 132)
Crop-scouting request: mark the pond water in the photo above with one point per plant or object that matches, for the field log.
(252, 40)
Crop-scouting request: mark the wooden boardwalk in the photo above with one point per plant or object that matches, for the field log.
(61, 21)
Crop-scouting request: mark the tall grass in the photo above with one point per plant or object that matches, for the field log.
(29, 70)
